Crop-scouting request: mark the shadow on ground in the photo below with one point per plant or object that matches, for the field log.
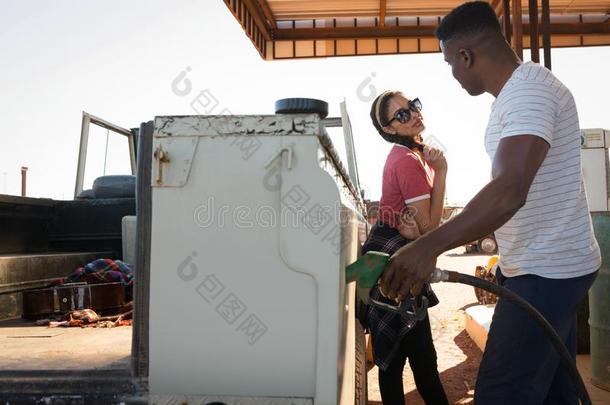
(472, 304)
(459, 380)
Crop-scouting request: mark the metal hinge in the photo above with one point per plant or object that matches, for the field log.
(162, 157)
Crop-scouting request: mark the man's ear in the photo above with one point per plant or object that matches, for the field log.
(466, 56)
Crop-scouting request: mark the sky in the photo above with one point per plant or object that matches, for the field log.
(117, 60)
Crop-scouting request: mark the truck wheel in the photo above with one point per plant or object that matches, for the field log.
(361, 397)
(488, 245)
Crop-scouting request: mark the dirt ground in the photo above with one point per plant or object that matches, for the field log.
(458, 356)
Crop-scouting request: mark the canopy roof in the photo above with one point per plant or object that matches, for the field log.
(307, 9)
(286, 29)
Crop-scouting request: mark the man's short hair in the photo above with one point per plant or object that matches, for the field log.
(470, 18)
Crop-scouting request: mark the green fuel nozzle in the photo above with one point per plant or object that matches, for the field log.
(367, 269)
(366, 272)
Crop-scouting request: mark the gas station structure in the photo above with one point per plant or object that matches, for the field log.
(291, 29)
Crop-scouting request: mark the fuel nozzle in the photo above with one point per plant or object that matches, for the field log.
(367, 271)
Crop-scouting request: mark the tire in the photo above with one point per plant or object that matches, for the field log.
(301, 106)
(117, 186)
(86, 195)
(488, 245)
(361, 386)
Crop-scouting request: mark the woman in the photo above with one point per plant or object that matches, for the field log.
(411, 204)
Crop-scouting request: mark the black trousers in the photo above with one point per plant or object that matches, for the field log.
(418, 347)
(520, 365)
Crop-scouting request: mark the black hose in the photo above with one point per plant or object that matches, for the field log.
(566, 358)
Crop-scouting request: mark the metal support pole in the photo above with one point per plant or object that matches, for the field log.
(534, 45)
(82, 154)
(508, 32)
(382, 11)
(24, 175)
(518, 28)
(546, 32)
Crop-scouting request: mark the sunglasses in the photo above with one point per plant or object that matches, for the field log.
(403, 115)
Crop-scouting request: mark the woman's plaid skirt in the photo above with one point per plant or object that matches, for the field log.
(387, 328)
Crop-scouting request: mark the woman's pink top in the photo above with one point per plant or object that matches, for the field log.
(406, 179)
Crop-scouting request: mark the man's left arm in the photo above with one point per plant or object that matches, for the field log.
(514, 167)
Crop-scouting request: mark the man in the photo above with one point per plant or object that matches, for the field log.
(535, 203)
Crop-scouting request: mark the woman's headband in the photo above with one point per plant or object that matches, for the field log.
(378, 107)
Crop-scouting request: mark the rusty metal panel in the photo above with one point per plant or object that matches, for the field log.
(230, 125)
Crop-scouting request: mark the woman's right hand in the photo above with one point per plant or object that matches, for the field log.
(435, 158)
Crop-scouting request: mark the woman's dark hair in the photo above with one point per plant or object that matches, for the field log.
(379, 116)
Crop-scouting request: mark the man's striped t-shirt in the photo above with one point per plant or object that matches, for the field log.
(552, 234)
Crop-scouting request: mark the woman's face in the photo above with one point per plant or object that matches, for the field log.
(414, 126)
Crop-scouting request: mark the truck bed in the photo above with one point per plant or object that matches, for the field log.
(25, 346)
